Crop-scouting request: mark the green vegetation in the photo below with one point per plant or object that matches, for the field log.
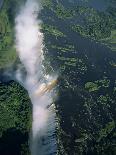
(7, 51)
(52, 31)
(97, 25)
(94, 24)
(7, 15)
(96, 85)
(73, 62)
(63, 13)
(104, 132)
(91, 87)
(15, 108)
(102, 99)
(67, 48)
(15, 113)
(47, 3)
(111, 40)
(104, 83)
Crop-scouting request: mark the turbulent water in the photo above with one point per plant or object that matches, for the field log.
(29, 46)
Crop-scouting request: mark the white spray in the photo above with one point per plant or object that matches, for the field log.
(29, 46)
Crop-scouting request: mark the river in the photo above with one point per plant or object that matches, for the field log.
(1, 2)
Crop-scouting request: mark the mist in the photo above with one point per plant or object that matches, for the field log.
(29, 46)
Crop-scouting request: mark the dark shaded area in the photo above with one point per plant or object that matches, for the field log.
(5, 78)
(1, 3)
(11, 142)
(13, 9)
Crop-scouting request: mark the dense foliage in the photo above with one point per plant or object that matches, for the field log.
(15, 106)
(15, 119)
